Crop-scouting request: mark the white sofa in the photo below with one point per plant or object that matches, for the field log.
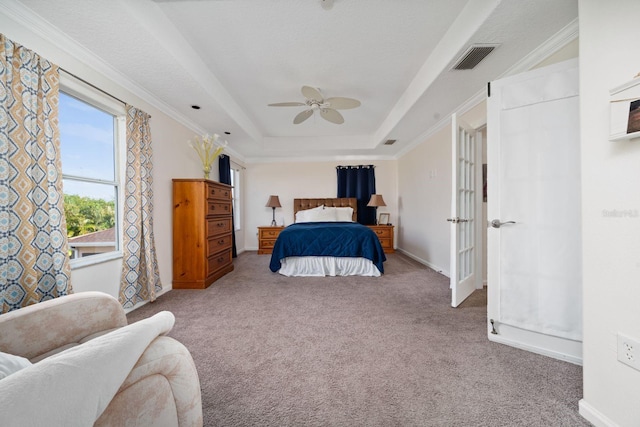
(90, 367)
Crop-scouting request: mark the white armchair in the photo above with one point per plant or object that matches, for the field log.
(80, 344)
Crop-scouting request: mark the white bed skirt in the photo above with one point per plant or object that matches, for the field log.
(327, 266)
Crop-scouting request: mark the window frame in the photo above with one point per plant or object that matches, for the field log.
(236, 193)
(84, 92)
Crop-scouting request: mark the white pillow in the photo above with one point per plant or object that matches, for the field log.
(324, 215)
(302, 216)
(344, 214)
(10, 364)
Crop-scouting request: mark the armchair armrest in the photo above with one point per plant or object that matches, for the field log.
(68, 319)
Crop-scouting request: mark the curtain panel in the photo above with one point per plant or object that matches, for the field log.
(358, 182)
(34, 265)
(140, 279)
(224, 166)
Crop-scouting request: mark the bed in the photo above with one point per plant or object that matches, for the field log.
(325, 240)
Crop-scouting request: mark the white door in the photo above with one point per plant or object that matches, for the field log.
(533, 207)
(465, 211)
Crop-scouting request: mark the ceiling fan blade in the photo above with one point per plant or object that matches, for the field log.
(340, 103)
(311, 93)
(287, 104)
(301, 117)
(331, 115)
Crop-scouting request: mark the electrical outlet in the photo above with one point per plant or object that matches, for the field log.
(629, 351)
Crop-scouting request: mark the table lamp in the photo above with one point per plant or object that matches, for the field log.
(273, 203)
(375, 201)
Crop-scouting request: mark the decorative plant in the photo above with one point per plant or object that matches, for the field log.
(208, 148)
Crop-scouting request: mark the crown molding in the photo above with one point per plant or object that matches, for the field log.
(316, 159)
(559, 40)
(25, 17)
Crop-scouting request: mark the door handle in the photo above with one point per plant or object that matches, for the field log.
(497, 224)
(457, 220)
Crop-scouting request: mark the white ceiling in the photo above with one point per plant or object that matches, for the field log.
(233, 57)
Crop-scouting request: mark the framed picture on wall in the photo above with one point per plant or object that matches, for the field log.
(383, 219)
(633, 124)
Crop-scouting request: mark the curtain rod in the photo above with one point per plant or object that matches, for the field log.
(92, 85)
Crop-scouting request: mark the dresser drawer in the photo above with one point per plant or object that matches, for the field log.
(267, 237)
(218, 226)
(214, 192)
(217, 261)
(218, 208)
(269, 233)
(267, 244)
(217, 244)
(382, 233)
(386, 243)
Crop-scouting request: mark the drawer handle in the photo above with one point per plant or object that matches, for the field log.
(221, 224)
(221, 242)
(221, 259)
(379, 232)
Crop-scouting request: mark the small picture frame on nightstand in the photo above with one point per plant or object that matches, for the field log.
(383, 219)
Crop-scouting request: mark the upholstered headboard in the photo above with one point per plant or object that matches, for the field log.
(343, 202)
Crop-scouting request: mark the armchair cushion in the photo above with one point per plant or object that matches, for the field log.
(10, 363)
(57, 324)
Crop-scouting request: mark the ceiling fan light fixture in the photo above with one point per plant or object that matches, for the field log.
(316, 102)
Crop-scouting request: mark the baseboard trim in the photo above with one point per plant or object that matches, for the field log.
(534, 349)
(140, 304)
(424, 262)
(595, 417)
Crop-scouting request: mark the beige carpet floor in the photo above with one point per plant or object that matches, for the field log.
(352, 351)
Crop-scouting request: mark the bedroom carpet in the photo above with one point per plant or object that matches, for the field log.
(389, 351)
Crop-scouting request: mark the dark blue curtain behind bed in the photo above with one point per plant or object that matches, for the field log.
(358, 182)
(224, 166)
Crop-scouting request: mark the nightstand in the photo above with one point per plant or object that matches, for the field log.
(267, 237)
(385, 235)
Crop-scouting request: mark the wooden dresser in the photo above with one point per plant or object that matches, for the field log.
(202, 227)
(267, 237)
(385, 235)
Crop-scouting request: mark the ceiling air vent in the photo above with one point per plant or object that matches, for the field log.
(390, 141)
(473, 55)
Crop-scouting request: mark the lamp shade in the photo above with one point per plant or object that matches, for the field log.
(274, 202)
(376, 200)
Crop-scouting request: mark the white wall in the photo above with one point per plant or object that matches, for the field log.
(424, 195)
(289, 180)
(424, 201)
(172, 158)
(609, 57)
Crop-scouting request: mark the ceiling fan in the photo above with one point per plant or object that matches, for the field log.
(315, 101)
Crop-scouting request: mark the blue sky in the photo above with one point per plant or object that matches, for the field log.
(87, 147)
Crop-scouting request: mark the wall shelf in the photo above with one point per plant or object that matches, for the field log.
(620, 101)
(624, 137)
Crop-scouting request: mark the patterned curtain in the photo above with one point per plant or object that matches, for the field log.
(140, 278)
(34, 265)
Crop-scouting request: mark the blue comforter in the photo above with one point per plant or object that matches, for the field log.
(336, 239)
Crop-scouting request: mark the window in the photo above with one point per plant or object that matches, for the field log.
(235, 196)
(91, 129)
